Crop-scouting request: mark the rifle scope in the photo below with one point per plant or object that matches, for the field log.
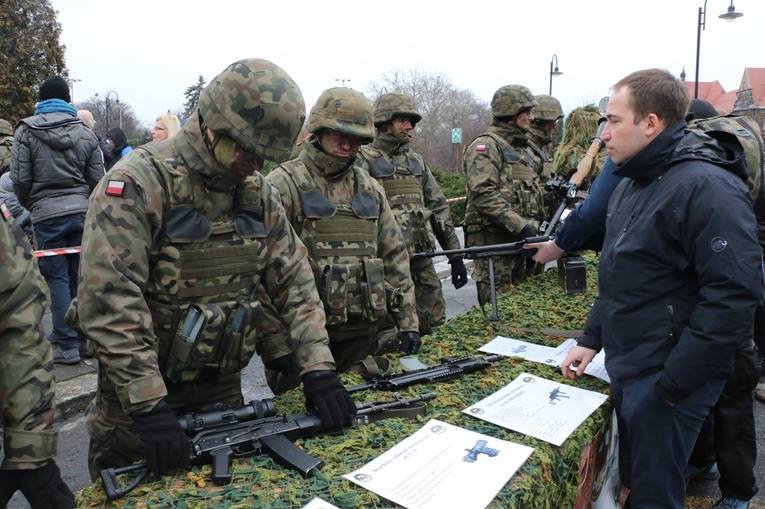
(198, 421)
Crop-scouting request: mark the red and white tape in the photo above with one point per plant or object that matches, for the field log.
(449, 200)
(56, 252)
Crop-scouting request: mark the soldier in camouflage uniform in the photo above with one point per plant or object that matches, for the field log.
(180, 238)
(6, 143)
(356, 248)
(27, 385)
(419, 205)
(505, 201)
(546, 116)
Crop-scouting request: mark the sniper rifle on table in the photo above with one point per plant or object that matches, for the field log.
(571, 267)
(450, 367)
(490, 252)
(218, 436)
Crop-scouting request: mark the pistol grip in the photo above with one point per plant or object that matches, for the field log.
(221, 461)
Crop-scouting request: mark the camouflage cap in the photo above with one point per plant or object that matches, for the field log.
(344, 110)
(6, 127)
(395, 104)
(258, 105)
(510, 100)
(549, 108)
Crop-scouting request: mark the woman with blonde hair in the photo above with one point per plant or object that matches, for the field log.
(166, 126)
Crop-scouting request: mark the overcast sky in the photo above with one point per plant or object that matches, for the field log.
(150, 51)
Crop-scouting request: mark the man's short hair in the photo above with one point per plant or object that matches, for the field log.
(656, 91)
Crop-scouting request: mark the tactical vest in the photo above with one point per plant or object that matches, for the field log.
(203, 280)
(519, 186)
(341, 240)
(403, 187)
(546, 169)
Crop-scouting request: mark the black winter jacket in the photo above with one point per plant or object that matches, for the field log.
(680, 274)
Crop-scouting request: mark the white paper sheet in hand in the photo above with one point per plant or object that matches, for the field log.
(537, 407)
(443, 465)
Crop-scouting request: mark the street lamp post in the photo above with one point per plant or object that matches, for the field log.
(730, 15)
(72, 81)
(343, 80)
(107, 107)
(554, 71)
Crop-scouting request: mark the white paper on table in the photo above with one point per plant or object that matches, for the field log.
(538, 407)
(442, 465)
(318, 503)
(596, 367)
(511, 347)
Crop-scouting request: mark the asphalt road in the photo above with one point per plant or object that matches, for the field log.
(73, 438)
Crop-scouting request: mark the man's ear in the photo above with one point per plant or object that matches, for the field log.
(653, 125)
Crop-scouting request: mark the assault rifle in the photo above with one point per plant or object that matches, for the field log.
(572, 270)
(450, 367)
(219, 435)
(490, 252)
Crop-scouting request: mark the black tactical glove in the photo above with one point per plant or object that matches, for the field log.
(410, 343)
(42, 487)
(459, 272)
(165, 445)
(286, 364)
(527, 232)
(325, 394)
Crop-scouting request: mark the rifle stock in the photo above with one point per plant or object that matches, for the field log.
(253, 432)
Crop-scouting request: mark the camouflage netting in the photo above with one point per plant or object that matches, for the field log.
(549, 479)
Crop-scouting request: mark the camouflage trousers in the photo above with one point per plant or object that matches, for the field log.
(346, 353)
(431, 307)
(113, 440)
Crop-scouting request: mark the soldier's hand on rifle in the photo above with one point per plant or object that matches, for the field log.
(286, 364)
(42, 487)
(165, 445)
(326, 394)
(459, 273)
(410, 342)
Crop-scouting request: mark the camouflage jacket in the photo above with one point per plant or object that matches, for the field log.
(502, 173)
(413, 194)
(27, 385)
(6, 144)
(544, 148)
(338, 183)
(123, 238)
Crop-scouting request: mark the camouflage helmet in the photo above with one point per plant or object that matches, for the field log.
(549, 108)
(258, 105)
(344, 110)
(395, 104)
(5, 127)
(510, 100)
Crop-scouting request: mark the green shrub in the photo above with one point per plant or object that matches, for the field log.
(453, 186)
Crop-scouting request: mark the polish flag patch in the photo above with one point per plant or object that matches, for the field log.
(480, 148)
(115, 188)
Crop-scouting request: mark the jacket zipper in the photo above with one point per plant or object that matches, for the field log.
(626, 227)
(671, 314)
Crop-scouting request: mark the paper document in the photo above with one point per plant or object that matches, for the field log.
(443, 465)
(596, 367)
(318, 503)
(537, 407)
(516, 348)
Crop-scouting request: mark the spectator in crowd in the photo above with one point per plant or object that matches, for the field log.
(664, 385)
(55, 165)
(118, 146)
(166, 126)
(6, 142)
(9, 198)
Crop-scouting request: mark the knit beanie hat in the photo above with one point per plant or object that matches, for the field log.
(5, 183)
(702, 109)
(54, 87)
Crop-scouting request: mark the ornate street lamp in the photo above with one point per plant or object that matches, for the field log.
(730, 15)
(554, 71)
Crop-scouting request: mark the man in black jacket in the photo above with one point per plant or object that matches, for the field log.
(55, 165)
(679, 281)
